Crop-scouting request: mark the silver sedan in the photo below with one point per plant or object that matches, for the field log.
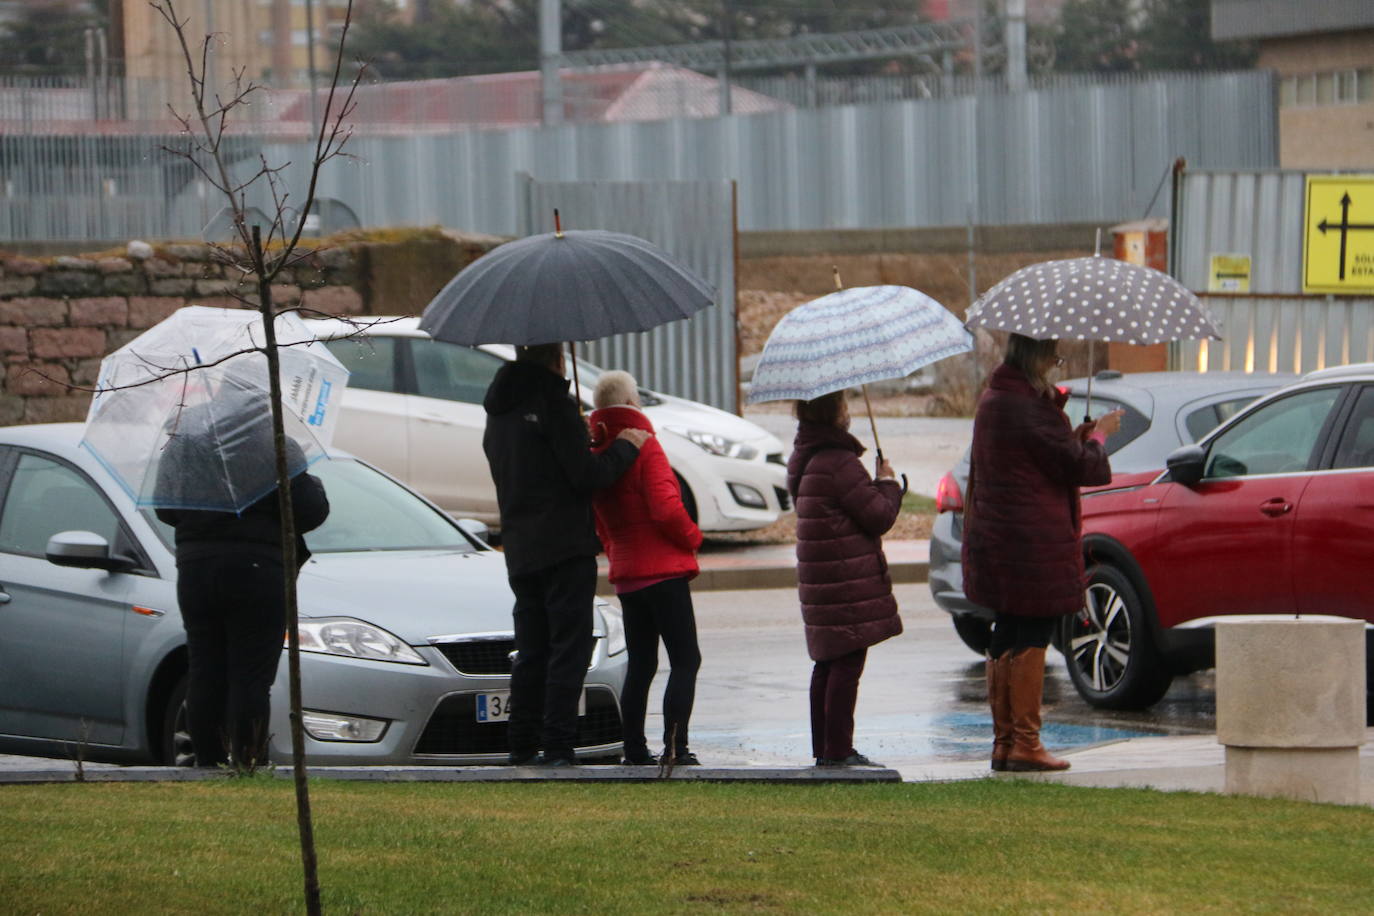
(405, 624)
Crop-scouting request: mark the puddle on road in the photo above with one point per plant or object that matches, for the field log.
(948, 736)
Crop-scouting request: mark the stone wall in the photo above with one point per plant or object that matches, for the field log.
(59, 316)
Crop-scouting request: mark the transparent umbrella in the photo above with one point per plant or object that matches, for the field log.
(182, 418)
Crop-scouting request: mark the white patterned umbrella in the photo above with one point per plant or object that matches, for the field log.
(851, 337)
(1093, 299)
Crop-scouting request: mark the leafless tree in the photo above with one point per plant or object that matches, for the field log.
(261, 252)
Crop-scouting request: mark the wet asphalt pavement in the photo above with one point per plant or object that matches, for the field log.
(921, 698)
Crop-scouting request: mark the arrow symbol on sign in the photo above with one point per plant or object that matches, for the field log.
(1345, 226)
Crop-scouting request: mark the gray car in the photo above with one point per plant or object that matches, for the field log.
(1163, 410)
(405, 624)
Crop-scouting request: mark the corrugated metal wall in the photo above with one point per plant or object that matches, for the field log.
(1081, 153)
(1260, 213)
(694, 222)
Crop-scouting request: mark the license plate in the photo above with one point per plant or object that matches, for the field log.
(495, 706)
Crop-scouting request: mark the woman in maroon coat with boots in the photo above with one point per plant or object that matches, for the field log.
(652, 545)
(845, 590)
(1022, 555)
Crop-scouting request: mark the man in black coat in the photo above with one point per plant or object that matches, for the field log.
(537, 445)
(231, 580)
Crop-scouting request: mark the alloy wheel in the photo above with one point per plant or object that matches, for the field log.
(1100, 638)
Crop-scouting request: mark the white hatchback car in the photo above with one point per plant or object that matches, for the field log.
(414, 408)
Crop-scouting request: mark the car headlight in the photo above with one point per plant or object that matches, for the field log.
(355, 639)
(614, 625)
(717, 444)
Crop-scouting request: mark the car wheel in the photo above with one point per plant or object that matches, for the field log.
(688, 500)
(974, 631)
(1110, 652)
(176, 734)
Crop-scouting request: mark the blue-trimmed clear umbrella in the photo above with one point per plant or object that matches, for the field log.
(182, 414)
(852, 337)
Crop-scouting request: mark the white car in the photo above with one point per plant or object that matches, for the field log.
(414, 408)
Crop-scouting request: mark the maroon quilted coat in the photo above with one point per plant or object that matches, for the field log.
(842, 514)
(1022, 521)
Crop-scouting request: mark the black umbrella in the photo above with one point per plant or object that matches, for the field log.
(564, 286)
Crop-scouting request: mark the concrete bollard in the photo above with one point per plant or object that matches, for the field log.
(1290, 707)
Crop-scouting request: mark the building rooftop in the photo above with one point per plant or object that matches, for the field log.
(1251, 19)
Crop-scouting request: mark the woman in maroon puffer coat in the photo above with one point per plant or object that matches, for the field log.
(652, 543)
(1022, 556)
(842, 578)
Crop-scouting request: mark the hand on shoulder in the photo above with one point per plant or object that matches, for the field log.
(636, 437)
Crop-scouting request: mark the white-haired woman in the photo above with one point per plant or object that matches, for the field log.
(651, 542)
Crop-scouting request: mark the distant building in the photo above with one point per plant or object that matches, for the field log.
(1323, 52)
(276, 50)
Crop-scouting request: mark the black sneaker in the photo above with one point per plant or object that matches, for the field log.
(684, 759)
(557, 761)
(524, 760)
(853, 760)
(639, 760)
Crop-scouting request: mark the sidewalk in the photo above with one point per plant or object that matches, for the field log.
(1194, 763)
(775, 566)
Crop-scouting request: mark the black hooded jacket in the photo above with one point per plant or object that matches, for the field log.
(545, 472)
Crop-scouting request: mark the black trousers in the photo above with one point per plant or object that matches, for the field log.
(553, 644)
(1013, 632)
(663, 610)
(234, 610)
(834, 694)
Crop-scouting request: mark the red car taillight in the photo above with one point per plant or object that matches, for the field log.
(947, 495)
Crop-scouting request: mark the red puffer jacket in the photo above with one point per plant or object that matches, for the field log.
(842, 514)
(640, 518)
(1022, 525)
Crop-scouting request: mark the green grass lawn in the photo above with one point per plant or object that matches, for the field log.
(984, 846)
(917, 504)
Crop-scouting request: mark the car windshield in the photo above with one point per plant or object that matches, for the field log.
(1133, 422)
(369, 511)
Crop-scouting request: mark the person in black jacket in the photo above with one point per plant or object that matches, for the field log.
(231, 580)
(537, 445)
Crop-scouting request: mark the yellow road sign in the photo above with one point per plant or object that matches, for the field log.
(1338, 234)
(1230, 273)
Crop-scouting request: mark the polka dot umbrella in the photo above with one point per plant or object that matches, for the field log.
(1093, 299)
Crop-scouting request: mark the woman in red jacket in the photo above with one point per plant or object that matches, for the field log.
(842, 578)
(651, 542)
(1022, 556)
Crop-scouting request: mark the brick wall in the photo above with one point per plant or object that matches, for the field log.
(59, 316)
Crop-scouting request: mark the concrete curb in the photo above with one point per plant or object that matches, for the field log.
(761, 577)
(808, 775)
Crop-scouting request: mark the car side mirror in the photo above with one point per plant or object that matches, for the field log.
(85, 550)
(1185, 464)
(476, 529)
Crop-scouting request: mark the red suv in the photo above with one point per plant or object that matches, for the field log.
(1270, 514)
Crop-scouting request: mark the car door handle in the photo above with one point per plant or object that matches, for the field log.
(432, 417)
(1276, 507)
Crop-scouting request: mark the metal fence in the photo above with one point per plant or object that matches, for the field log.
(1275, 327)
(1091, 153)
(693, 221)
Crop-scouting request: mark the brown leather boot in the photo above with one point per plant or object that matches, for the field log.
(999, 701)
(1026, 684)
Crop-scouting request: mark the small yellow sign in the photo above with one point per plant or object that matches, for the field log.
(1230, 273)
(1338, 234)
